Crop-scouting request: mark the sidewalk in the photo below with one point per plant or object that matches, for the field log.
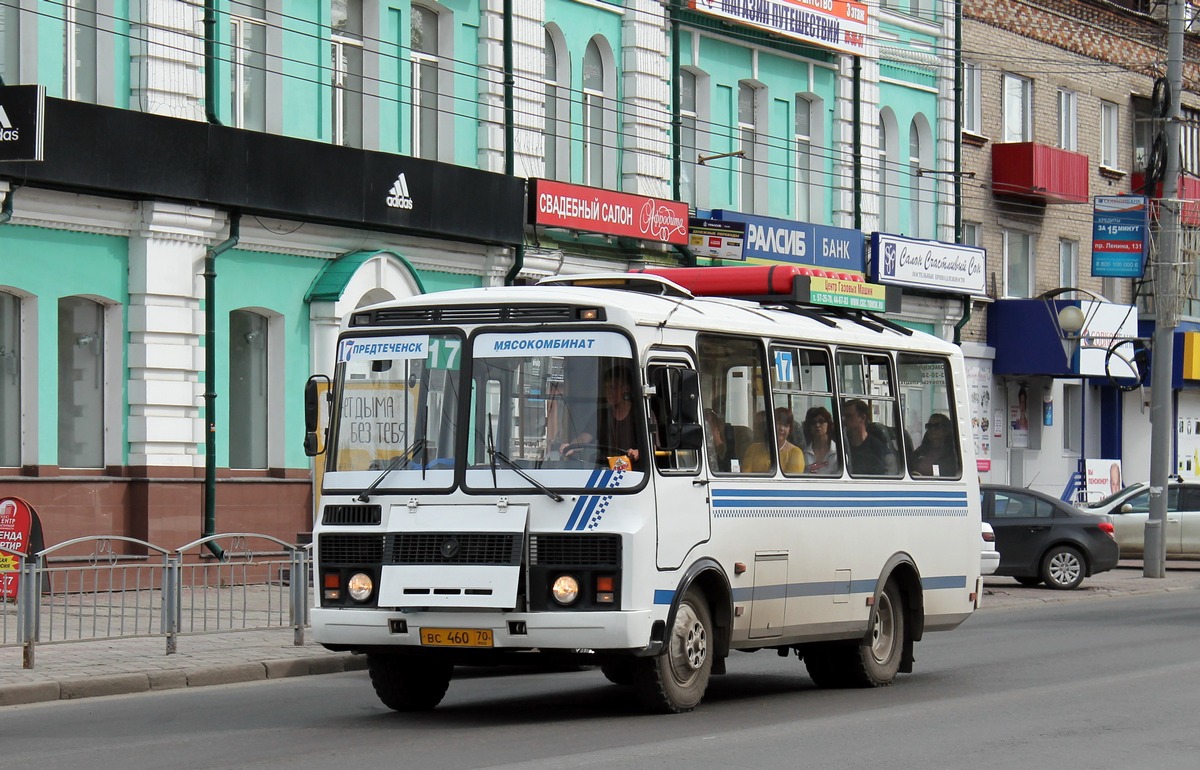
(120, 666)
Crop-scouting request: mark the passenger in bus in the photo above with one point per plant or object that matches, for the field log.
(720, 441)
(820, 450)
(791, 457)
(866, 453)
(936, 455)
(616, 428)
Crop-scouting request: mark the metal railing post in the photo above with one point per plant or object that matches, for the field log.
(171, 601)
(299, 606)
(29, 608)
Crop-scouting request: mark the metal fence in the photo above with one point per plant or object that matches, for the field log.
(227, 582)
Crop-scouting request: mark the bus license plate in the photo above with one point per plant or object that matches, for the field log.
(456, 637)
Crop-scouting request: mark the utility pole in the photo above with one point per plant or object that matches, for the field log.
(1166, 306)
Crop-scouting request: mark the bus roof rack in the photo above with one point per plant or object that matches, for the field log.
(646, 283)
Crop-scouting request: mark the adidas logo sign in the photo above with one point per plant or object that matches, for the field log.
(398, 197)
(10, 134)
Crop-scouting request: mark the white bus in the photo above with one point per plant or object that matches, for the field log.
(611, 470)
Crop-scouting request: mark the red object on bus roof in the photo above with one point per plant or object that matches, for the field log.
(750, 281)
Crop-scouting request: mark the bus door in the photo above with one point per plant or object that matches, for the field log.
(676, 439)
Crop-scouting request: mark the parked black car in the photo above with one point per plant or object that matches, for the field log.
(1042, 539)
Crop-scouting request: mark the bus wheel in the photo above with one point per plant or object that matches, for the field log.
(675, 681)
(873, 662)
(409, 684)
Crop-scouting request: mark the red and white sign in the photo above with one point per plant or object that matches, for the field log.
(16, 524)
(837, 24)
(590, 209)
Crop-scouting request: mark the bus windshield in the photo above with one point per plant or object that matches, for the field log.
(559, 405)
(398, 401)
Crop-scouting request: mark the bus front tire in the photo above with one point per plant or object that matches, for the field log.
(873, 662)
(409, 684)
(675, 681)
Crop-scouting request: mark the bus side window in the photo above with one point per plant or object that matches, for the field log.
(668, 457)
(928, 416)
(733, 392)
(873, 439)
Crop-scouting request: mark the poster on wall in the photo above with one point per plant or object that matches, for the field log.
(1187, 442)
(979, 388)
(1018, 418)
(1101, 479)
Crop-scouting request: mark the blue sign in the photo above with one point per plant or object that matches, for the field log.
(799, 243)
(1119, 227)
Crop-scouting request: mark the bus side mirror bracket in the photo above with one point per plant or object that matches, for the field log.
(678, 390)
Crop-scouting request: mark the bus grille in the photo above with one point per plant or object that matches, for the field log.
(351, 549)
(575, 550)
(352, 515)
(455, 548)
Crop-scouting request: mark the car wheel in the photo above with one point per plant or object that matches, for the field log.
(409, 684)
(675, 680)
(1028, 580)
(1063, 568)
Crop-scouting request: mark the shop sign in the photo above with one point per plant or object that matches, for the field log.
(837, 24)
(590, 209)
(933, 265)
(716, 240)
(1119, 228)
(1105, 324)
(16, 531)
(22, 110)
(856, 295)
(780, 240)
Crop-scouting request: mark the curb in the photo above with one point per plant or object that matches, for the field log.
(127, 684)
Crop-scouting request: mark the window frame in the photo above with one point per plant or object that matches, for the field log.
(1067, 102)
(14, 370)
(1068, 262)
(802, 136)
(689, 137)
(556, 127)
(240, 94)
(75, 29)
(1110, 134)
(972, 115)
(107, 372)
(345, 134)
(1030, 252)
(422, 62)
(749, 132)
(1016, 93)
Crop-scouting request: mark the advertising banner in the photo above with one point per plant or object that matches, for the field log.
(590, 209)
(20, 533)
(921, 264)
(1101, 479)
(1104, 324)
(837, 24)
(1120, 225)
(716, 240)
(979, 386)
(770, 240)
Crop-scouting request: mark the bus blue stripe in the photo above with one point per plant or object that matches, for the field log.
(834, 493)
(830, 588)
(664, 597)
(818, 503)
(582, 501)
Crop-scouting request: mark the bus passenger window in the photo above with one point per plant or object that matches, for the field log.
(732, 389)
(928, 413)
(873, 439)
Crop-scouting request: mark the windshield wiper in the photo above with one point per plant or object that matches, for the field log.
(399, 461)
(495, 454)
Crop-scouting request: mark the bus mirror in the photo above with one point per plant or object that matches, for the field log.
(312, 415)
(685, 436)
(689, 398)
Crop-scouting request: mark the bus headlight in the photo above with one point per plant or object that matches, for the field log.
(565, 590)
(360, 586)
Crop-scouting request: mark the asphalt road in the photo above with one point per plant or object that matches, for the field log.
(1106, 683)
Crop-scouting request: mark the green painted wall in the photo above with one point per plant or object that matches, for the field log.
(93, 266)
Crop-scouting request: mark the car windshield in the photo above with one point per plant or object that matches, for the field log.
(1126, 492)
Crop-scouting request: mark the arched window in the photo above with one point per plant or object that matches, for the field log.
(81, 349)
(921, 187)
(347, 20)
(748, 131)
(688, 147)
(889, 173)
(593, 115)
(249, 388)
(557, 133)
(10, 380)
(803, 138)
(426, 53)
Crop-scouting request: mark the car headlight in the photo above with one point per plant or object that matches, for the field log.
(360, 587)
(565, 589)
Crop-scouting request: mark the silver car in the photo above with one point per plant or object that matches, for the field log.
(1130, 508)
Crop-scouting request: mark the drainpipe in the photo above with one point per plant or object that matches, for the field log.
(210, 62)
(7, 209)
(509, 153)
(210, 379)
(958, 196)
(962, 322)
(856, 147)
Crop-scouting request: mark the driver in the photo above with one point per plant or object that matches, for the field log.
(616, 428)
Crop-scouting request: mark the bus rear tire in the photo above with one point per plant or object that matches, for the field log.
(873, 662)
(674, 681)
(409, 683)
